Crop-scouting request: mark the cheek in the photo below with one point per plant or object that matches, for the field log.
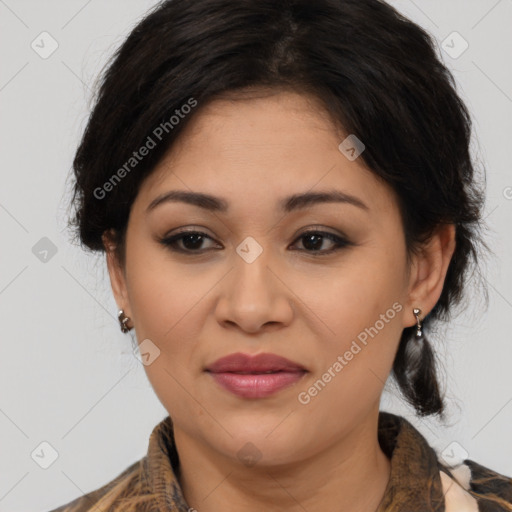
(355, 362)
(164, 301)
(162, 293)
(352, 297)
(362, 310)
(169, 301)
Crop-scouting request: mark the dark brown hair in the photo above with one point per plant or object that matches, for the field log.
(376, 73)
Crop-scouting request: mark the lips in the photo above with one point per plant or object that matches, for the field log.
(261, 363)
(255, 376)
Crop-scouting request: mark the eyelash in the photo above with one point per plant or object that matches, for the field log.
(170, 242)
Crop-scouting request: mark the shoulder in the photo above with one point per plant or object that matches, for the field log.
(127, 484)
(472, 487)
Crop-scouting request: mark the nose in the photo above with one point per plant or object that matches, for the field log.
(254, 297)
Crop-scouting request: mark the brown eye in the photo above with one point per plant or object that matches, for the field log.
(313, 241)
(186, 241)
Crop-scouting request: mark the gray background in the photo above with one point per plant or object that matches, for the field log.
(68, 375)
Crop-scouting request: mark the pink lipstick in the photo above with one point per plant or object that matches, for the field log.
(255, 376)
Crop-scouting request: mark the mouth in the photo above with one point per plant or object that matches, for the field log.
(255, 376)
(261, 363)
(256, 385)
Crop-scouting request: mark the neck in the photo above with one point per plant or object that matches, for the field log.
(351, 475)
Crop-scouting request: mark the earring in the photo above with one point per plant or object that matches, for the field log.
(415, 370)
(417, 313)
(123, 321)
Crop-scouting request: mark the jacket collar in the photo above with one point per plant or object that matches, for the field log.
(414, 483)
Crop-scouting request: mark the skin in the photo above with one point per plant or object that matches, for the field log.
(253, 151)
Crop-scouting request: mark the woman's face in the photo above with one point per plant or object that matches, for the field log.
(254, 282)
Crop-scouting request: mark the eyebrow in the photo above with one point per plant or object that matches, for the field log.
(288, 204)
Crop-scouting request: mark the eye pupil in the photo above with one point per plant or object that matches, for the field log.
(196, 238)
(317, 241)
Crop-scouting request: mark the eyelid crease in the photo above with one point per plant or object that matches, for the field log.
(340, 241)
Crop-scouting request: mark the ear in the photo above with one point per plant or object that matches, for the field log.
(428, 272)
(116, 272)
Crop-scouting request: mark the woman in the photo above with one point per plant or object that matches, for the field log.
(286, 200)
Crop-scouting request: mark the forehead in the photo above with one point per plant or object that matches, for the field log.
(260, 149)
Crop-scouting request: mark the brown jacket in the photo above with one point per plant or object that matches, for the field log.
(419, 481)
